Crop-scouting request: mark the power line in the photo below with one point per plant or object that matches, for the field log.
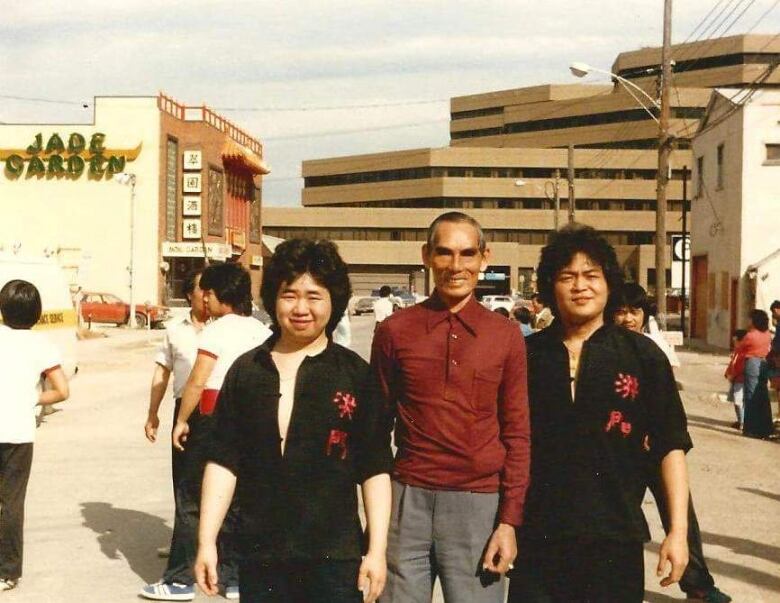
(763, 16)
(704, 20)
(44, 100)
(355, 130)
(334, 107)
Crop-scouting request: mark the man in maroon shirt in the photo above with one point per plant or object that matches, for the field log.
(454, 374)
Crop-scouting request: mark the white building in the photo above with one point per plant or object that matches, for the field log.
(735, 210)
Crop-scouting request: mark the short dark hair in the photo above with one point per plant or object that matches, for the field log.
(320, 259)
(759, 319)
(455, 217)
(634, 295)
(775, 304)
(385, 291)
(740, 333)
(189, 283)
(20, 304)
(502, 311)
(523, 315)
(232, 285)
(561, 248)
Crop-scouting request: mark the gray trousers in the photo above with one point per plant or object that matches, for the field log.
(439, 533)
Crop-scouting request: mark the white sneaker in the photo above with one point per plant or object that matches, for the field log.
(7, 584)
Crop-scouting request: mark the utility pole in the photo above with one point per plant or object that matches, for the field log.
(684, 250)
(664, 150)
(557, 189)
(571, 183)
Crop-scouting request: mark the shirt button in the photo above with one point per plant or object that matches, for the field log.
(454, 335)
(455, 362)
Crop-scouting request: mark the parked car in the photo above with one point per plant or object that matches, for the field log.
(365, 305)
(491, 302)
(108, 308)
(401, 298)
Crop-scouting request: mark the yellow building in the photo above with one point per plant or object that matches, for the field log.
(193, 183)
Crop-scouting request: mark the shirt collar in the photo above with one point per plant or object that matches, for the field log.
(437, 312)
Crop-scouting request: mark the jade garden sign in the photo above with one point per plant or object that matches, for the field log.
(69, 158)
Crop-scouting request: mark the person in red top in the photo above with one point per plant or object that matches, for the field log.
(454, 375)
(754, 347)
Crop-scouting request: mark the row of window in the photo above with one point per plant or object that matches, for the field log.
(705, 63)
(527, 237)
(421, 173)
(487, 203)
(579, 121)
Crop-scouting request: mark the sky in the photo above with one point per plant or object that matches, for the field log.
(324, 78)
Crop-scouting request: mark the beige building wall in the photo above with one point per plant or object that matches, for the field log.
(88, 219)
(735, 224)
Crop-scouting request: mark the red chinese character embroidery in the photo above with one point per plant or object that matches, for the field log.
(627, 386)
(346, 403)
(615, 417)
(337, 439)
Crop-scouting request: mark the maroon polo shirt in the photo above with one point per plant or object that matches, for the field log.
(456, 385)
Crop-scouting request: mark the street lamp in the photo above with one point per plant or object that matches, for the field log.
(664, 150)
(553, 195)
(128, 179)
(583, 69)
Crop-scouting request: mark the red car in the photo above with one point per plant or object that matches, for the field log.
(108, 308)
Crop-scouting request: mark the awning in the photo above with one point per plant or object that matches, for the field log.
(235, 153)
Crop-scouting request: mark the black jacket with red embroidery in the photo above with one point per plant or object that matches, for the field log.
(590, 455)
(301, 505)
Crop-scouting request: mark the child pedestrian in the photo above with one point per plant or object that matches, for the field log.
(29, 360)
(735, 373)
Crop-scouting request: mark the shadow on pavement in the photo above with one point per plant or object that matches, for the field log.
(659, 598)
(769, 495)
(744, 574)
(131, 534)
(713, 425)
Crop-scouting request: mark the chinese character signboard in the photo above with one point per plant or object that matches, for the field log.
(192, 160)
(216, 203)
(191, 228)
(191, 183)
(191, 205)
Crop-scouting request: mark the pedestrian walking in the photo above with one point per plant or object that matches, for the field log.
(176, 355)
(31, 374)
(755, 347)
(383, 307)
(602, 398)
(524, 319)
(299, 422)
(455, 378)
(232, 331)
(543, 316)
(633, 311)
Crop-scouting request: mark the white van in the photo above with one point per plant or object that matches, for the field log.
(58, 319)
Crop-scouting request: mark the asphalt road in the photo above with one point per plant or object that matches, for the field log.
(99, 502)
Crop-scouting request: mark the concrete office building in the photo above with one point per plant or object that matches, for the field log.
(736, 212)
(197, 192)
(606, 116)
(377, 207)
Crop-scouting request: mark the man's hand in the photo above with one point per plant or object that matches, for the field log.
(372, 577)
(501, 550)
(206, 569)
(180, 431)
(150, 428)
(674, 550)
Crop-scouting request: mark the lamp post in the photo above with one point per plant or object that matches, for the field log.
(554, 195)
(662, 176)
(125, 179)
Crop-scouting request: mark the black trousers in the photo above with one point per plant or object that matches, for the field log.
(188, 467)
(697, 575)
(578, 572)
(15, 463)
(299, 582)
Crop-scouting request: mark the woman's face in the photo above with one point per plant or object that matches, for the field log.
(630, 318)
(303, 308)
